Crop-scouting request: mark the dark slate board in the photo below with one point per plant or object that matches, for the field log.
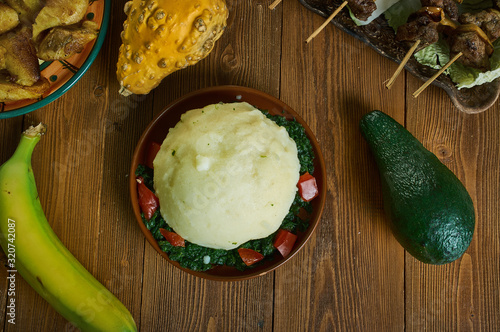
(380, 36)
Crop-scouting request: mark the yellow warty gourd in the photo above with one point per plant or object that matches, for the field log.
(162, 36)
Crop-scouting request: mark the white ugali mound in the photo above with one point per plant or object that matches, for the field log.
(226, 174)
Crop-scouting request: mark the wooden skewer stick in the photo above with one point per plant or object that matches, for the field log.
(318, 30)
(430, 80)
(402, 64)
(274, 4)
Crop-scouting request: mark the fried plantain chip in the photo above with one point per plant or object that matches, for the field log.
(19, 56)
(27, 9)
(57, 13)
(8, 18)
(10, 91)
(63, 42)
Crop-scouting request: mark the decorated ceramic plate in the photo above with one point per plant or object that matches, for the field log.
(157, 131)
(63, 74)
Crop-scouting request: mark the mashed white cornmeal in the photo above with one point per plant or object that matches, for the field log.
(226, 174)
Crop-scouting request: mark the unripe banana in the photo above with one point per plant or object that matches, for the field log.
(42, 259)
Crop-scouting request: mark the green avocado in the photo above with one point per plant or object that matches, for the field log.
(431, 213)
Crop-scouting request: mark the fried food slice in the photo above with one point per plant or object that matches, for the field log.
(27, 9)
(63, 42)
(10, 91)
(59, 12)
(3, 51)
(18, 56)
(8, 18)
(362, 9)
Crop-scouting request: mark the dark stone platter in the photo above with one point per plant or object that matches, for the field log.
(380, 36)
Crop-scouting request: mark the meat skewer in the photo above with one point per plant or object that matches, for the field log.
(362, 9)
(402, 64)
(472, 39)
(426, 24)
(474, 44)
(318, 30)
(470, 45)
(422, 29)
(436, 75)
(475, 37)
(488, 20)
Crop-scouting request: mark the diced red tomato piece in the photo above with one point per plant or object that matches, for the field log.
(147, 199)
(284, 242)
(175, 239)
(308, 188)
(250, 256)
(153, 149)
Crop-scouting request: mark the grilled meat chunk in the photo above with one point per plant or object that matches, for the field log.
(488, 20)
(419, 27)
(362, 9)
(474, 45)
(449, 6)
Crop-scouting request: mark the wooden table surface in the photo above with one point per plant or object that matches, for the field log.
(352, 275)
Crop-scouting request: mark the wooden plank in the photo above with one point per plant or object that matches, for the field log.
(125, 118)
(65, 159)
(175, 301)
(247, 54)
(462, 295)
(10, 132)
(81, 171)
(351, 275)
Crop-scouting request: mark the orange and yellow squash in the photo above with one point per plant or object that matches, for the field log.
(163, 36)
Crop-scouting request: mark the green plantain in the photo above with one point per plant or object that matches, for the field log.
(35, 251)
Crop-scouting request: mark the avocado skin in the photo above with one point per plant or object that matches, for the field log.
(431, 213)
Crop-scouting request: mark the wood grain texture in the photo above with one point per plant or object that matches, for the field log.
(9, 132)
(209, 305)
(453, 296)
(352, 275)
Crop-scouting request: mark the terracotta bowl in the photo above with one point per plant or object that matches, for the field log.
(171, 115)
